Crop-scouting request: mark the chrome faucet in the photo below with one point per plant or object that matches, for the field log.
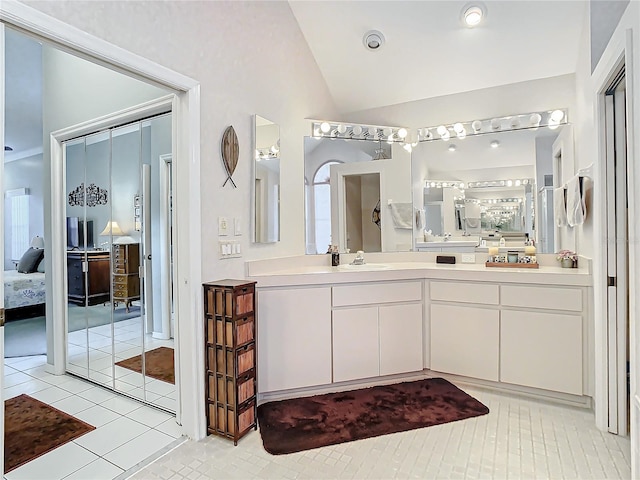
(359, 260)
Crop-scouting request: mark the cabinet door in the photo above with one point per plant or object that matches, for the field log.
(464, 341)
(542, 350)
(355, 343)
(400, 338)
(294, 338)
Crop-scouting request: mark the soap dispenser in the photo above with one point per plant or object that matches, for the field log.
(502, 242)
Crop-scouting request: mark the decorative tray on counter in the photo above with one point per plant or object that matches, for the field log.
(511, 265)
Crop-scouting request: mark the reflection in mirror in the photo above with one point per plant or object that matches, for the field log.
(485, 185)
(357, 196)
(267, 181)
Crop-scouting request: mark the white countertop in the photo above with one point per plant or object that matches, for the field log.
(290, 274)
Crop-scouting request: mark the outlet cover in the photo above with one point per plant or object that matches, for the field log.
(468, 258)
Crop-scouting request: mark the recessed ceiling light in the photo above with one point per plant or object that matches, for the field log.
(452, 148)
(373, 40)
(473, 14)
(494, 144)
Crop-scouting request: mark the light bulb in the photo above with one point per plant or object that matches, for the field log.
(476, 125)
(274, 149)
(509, 183)
(373, 131)
(472, 16)
(534, 119)
(387, 131)
(442, 130)
(427, 134)
(517, 183)
(402, 133)
(390, 139)
(433, 184)
(325, 127)
(557, 116)
(407, 147)
(515, 122)
(446, 136)
(495, 124)
(342, 129)
(461, 135)
(458, 127)
(357, 130)
(461, 185)
(525, 181)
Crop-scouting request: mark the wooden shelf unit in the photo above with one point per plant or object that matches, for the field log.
(126, 278)
(230, 358)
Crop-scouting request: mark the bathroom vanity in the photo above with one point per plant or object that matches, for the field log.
(325, 327)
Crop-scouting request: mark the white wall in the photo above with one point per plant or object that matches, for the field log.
(250, 58)
(523, 97)
(24, 173)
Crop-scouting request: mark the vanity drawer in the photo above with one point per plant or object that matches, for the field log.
(553, 298)
(346, 295)
(484, 293)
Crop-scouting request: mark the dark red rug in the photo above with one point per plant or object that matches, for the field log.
(299, 424)
(158, 363)
(33, 428)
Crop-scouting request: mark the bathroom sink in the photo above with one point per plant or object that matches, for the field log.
(364, 267)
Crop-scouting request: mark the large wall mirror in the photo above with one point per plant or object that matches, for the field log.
(266, 181)
(487, 186)
(373, 196)
(352, 188)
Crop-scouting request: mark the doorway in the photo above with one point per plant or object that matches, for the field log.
(617, 253)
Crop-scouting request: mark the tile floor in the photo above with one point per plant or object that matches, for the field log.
(126, 433)
(127, 342)
(519, 438)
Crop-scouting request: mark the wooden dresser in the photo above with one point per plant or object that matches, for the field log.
(230, 359)
(95, 289)
(126, 279)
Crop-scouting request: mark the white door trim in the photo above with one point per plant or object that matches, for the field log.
(186, 155)
(2, 237)
(164, 167)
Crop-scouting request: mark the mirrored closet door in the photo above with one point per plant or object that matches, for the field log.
(119, 321)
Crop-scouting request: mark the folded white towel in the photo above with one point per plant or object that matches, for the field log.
(575, 203)
(402, 215)
(559, 207)
(420, 219)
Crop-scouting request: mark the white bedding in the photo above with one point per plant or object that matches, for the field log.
(23, 289)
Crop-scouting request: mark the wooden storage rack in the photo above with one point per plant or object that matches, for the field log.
(230, 346)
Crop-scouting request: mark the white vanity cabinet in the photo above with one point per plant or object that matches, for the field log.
(465, 338)
(525, 335)
(294, 338)
(377, 330)
(541, 342)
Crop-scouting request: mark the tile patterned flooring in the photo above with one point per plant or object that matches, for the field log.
(519, 438)
(127, 342)
(126, 433)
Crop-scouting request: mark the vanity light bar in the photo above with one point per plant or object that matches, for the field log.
(326, 129)
(548, 118)
(484, 184)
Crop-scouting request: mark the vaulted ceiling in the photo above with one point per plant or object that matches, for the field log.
(428, 52)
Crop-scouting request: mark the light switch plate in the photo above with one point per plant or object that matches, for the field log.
(468, 258)
(223, 226)
(237, 226)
